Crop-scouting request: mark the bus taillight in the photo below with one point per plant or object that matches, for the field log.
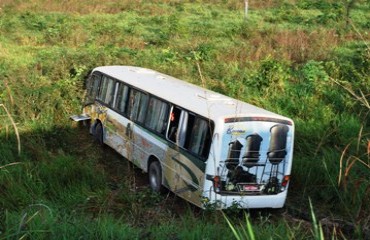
(216, 183)
(285, 181)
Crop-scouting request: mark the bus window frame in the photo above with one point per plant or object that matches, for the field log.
(165, 126)
(138, 108)
(115, 107)
(210, 125)
(90, 95)
(102, 99)
(127, 114)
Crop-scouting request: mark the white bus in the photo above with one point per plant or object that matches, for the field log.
(209, 149)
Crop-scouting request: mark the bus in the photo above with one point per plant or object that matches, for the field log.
(207, 148)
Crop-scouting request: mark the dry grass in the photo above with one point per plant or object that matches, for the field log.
(253, 4)
(294, 46)
(83, 7)
(266, 4)
(347, 162)
(71, 6)
(300, 45)
(113, 6)
(351, 159)
(14, 126)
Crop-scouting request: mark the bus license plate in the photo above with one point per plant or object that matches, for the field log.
(249, 188)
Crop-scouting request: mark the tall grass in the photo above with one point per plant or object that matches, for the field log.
(297, 58)
(14, 126)
(266, 227)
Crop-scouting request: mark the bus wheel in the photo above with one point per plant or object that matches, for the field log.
(155, 177)
(98, 134)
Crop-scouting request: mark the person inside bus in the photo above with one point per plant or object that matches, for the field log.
(174, 123)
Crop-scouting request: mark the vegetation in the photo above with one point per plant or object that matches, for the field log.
(309, 60)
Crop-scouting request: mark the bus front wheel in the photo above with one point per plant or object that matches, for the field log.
(155, 177)
(98, 134)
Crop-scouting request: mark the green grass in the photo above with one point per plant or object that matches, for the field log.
(302, 59)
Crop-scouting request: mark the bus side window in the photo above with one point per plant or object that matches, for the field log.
(190, 132)
(174, 124)
(92, 87)
(198, 138)
(106, 92)
(110, 92)
(157, 116)
(138, 105)
(122, 98)
(103, 88)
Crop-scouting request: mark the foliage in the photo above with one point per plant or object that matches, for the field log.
(308, 60)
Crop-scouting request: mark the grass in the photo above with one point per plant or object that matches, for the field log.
(302, 59)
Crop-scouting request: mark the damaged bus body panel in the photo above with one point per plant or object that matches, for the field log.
(209, 149)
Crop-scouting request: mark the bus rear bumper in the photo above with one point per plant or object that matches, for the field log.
(246, 201)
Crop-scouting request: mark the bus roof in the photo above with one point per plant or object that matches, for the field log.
(204, 102)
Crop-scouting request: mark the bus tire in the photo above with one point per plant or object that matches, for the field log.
(155, 177)
(98, 134)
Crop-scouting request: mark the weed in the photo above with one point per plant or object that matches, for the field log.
(14, 126)
(318, 232)
(305, 59)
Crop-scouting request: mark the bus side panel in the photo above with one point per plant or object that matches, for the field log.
(185, 175)
(97, 112)
(145, 145)
(118, 133)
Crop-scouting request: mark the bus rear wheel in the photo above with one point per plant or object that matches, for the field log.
(155, 177)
